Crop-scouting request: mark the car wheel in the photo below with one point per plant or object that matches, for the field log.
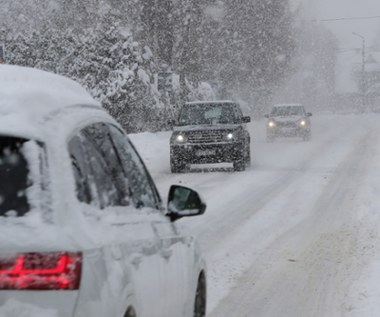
(130, 313)
(200, 298)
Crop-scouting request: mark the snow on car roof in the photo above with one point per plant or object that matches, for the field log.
(288, 105)
(209, 102)
(28, 89)
(28, 96)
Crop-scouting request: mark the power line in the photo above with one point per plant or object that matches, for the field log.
(349, 19)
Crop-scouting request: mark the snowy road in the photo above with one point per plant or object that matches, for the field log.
(298, 233)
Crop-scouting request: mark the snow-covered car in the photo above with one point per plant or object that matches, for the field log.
(210, 132)
(288, 120)
(82, 228)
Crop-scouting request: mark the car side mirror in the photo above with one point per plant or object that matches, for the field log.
(266, 116)
(184, 202)
(246, 119)
(309, 114)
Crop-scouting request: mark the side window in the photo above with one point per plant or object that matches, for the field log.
(95, 167)
(79, 169)
(109, 175)
(143, 190)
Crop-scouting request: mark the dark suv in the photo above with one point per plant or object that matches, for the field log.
(210, 132)
(288, 120)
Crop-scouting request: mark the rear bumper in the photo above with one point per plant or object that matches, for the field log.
(38, 303)
(206, 153)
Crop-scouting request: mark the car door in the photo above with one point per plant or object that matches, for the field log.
(174, 249)
(131, 251)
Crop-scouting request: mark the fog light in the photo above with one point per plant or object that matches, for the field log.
(303, 123)
(271, 124)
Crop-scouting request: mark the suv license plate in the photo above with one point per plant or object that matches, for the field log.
(205, 152)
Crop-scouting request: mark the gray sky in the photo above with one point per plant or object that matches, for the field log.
(326, 9)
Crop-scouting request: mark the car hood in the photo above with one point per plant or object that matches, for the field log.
(206, 127)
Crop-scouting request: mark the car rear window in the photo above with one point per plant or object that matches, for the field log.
(14, 180)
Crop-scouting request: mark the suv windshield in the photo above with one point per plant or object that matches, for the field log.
(13, 177)
(196, 114)
(284, 111)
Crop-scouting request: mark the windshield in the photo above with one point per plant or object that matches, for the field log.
(284, 111)
(13, 177)
(207, 114)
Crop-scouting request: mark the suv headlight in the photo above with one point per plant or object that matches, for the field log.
(271, 124)
(178, 138)
(230, 136)
(303, 123)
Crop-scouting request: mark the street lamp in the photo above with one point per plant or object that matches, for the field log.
(363, 81)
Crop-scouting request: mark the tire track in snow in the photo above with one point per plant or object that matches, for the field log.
(309, 286)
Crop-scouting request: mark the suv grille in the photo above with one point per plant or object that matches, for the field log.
(287, 124)
(206, 136)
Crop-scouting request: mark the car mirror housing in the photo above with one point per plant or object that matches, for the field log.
(309, 114)
(266, 116)
(184, 202)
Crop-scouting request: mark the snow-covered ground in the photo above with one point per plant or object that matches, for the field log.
(298, 233)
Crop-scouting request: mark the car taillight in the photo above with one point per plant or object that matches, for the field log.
(41, 271)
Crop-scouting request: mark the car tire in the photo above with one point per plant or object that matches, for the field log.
(200, 297)
(130, 313)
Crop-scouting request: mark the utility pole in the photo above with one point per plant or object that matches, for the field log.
(364, 79)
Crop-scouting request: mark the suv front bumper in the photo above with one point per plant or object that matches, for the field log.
(206, 153)
(288, 132)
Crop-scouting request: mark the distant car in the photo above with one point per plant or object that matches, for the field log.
(289, 120)
(210, 132)
(83, 231)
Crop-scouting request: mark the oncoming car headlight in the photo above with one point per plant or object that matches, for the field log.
(180, 138)
(230, 136)
(271, 124)
(303, 123)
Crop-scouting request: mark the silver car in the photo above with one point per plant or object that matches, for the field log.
(288, 120)
(82, 228)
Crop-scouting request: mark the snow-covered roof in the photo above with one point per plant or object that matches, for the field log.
(28, 96)
(287, 105)
(31, 90)
(209, 102)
